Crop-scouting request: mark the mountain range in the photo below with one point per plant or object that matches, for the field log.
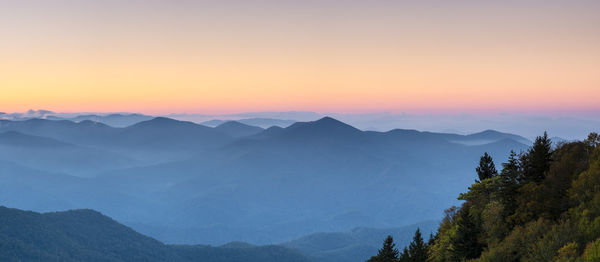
(185, 183)
(259, 122)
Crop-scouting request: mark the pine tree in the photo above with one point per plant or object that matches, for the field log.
(486, 168)
(537, 160)
(511, 171)
(405, 257)
(388, 253)
(417, 250)
(465, 242)
(431, 240)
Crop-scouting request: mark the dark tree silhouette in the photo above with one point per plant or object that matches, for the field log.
(417, 250)
(511, 171)
(465, 242)
(388, 253)
(405, 257)
(537, 160)
(486, 168)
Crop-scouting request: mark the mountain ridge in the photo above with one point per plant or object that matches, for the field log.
(88, 235)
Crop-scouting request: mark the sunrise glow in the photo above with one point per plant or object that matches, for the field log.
(177, 56)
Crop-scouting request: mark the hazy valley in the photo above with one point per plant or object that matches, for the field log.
(186, 183)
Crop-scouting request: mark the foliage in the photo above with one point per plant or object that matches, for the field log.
(486, 168)
(544, 205)
(592, 252)
(537, 160)
(417, 249)
(86, 235)
(388, 253)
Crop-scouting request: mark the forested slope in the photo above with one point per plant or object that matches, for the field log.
(543, 205)
(86, 235)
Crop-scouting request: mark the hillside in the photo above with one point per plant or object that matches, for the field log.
(86, 235)
(356, 245)
(52, 155)
(543, 205)
(238, 129)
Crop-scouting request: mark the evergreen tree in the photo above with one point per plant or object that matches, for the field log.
(405, 257)
(417, 250)
(511, 171)
(388, 253)
(486, 168)
(431, 239)
(537, 160)
(465, 242)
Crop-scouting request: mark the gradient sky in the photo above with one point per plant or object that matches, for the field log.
(339, 56)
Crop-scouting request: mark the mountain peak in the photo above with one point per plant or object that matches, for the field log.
(330, 122)
(489, 131)
(92, 123)
(324, 127)
(490, 134)
(237, 129)
(328, 119)
(162, 122)
(162, 119)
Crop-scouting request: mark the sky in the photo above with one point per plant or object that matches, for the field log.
(350, 56)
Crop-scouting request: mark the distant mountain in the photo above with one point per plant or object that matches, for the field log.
(293, 115)
(157, 140)
(114, 120)
(16, 139)
(267, 122)
(45, 191)
(82, 133)
(26, 115)
(323, 128)
(189, 183)
(310, 177)
(213, 123)
(489, 136)
(481, 138)
(56, 156)
(163, 133)
(237, 129)
(29, 188)
(358, 244)
(259, 122)
(86, 235)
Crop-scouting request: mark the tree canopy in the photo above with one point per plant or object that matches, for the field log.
(544, 205)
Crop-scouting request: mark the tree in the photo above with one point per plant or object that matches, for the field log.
(431, 239)
(465, 242)
(388, 253)
(592, 252)
(486, 168)
(417, 249)
(511, 171)
(405, 257)
(593, 140)
(537, 160)
(543, 206)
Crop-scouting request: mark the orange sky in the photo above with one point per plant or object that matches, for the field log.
(343, 56)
